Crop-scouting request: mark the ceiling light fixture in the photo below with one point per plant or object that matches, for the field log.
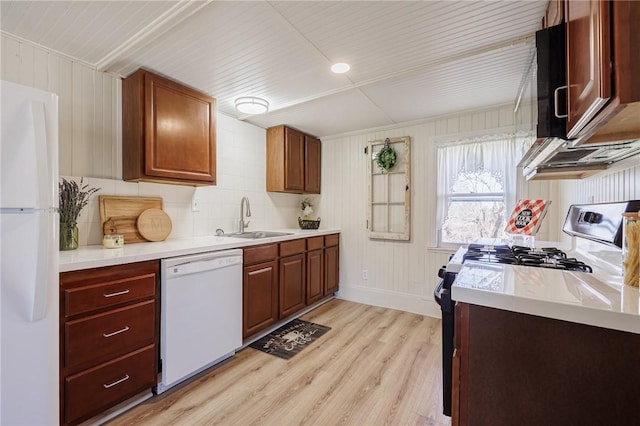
(252, 105)
(340, 67)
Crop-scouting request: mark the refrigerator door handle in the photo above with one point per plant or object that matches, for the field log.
(44, 195)
(46, 268)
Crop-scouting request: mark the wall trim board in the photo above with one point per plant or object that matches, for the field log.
(413, 303)
(49, 50)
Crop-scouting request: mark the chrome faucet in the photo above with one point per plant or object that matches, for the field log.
(244, 201)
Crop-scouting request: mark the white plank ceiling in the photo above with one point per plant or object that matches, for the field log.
(409, 60)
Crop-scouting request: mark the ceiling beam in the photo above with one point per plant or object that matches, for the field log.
(169, 19)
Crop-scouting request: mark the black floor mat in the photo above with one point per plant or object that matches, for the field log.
(290, 339)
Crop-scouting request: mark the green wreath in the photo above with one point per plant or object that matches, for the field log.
(386, 157)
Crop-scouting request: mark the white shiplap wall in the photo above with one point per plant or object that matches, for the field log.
(620, 185)
(401, 275)
(88, 102)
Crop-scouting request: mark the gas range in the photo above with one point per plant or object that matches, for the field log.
(594, 255)
(543, 254)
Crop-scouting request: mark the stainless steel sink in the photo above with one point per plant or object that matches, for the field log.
(257, 234)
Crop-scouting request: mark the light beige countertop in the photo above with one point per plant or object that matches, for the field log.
(86, 257)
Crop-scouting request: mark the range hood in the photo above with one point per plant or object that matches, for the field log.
(554, 158)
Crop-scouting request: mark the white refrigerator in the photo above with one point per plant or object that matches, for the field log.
(29, 342)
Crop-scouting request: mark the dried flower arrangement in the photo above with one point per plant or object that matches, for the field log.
(73, 198)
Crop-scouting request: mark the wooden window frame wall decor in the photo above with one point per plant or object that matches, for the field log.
(386, 188)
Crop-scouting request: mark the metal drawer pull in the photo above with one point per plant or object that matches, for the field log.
(116, 332)
(125, 378)
(117, 293)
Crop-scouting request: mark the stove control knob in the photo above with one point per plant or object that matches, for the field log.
(441, 271)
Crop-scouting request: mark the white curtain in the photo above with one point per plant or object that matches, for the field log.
(497, 154)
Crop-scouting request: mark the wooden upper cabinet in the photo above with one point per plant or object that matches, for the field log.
(168, 131)
(588, 61)
(312, 158)
(602, 70)
(293, 161)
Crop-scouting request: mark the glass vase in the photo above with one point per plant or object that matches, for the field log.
(68, 236)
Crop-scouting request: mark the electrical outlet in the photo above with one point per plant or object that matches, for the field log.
(195, 204)
(365, 274)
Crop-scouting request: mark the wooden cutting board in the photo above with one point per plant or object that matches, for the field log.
(122, 213)
(154, 224)
(125, 226)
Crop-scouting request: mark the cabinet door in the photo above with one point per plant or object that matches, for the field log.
(460, 366)
(455, 389)
(294, 160)
(292, 284)
(588, 61)
(315, 275)
(180, 141)
(312, 163)
(331, 269)
(260, 297)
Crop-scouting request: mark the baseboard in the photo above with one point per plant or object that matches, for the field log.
(390, 299)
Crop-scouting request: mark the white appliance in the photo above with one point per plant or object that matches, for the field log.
(29, 376)
(201, 316)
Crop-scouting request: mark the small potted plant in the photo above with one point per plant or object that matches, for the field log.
(307, 209)
(73, 198)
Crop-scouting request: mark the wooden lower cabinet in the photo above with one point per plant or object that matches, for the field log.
(260, 297)
(292, 284)
(331, 264)
(282, 279)
(315, 276)
(109, 337)
(517, 369)
(107, 384)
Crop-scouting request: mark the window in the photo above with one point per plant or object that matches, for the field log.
(477, 182)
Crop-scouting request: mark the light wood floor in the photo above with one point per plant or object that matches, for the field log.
(376, 366)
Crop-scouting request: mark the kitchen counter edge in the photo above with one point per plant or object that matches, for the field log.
(95, 256)
(623, 315)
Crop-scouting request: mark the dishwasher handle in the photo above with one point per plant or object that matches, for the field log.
(202, 265)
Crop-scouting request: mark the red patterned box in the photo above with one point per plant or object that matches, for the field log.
(527, 217)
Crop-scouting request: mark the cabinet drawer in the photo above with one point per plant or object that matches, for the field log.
(331, 240)
(96, 389)
(109, 334)
(315, 243)
(265, 253)
(292, 247)
(85, 299)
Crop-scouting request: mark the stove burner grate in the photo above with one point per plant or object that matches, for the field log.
(546, 257)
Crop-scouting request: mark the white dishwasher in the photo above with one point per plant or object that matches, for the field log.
(201, 313)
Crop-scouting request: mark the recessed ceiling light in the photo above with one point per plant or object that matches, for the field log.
(252, 105)
(340, 67)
